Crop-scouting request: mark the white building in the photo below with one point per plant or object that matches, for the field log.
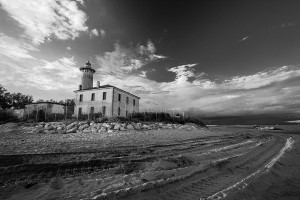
(106, 100)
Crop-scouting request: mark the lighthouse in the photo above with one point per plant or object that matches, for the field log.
(86, 76)
(102, 101)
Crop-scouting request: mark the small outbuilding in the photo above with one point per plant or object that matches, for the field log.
(44, 110)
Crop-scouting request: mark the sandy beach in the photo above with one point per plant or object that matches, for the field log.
(222, 162)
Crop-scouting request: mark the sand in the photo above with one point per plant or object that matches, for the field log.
(226, 162)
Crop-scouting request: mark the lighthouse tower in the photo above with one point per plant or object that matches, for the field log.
(86, 76)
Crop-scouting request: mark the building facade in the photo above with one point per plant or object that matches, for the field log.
(103, 101)
(48, 107)
(44, 111)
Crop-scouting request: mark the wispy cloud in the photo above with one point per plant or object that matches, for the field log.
(20, 69)
(102, 32)
(94, 33)
(123, 60)
(270, 91)
(44, 20)
(13, 48)
(294, 121)
(244, 38)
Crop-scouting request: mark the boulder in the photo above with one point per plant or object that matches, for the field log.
(80, 129)
(86, 130)
(129, 127)
(102, 129)
(122, 129)
(153, 126)
(72, 130)
(117, 126)
(60, 130)
(50, 127)
(71, 126)
(138, 126)
(146, 127)
(42, 124)
(94, 130)
(38, 129)
(47, 125)
(106, 125)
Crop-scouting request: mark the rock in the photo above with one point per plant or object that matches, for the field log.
(38, 129)
(105, 125)
(122, 129)
(50, 127)
(86, 130)
(60, 130)
(71, 126)
(146, 127)
(42, 124)
(129, 127)
(80, 129)
(102, 129)
(138, 126)
(109, 131)
(72, 130)
(153, 126)
(47, 125)
(117, 126)
(94, 130)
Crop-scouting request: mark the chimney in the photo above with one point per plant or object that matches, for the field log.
(98, 84)
(80, 87)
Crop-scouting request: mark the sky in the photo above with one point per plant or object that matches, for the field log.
(213, 59)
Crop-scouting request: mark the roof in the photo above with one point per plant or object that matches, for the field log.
(46, 103)
(82, 68)
(106, 86)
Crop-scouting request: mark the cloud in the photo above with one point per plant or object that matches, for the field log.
(244, 38)
(143, 74)
(263, 78)
(270, 91)
(294, 121)
(102, 32)
(44, 20)
(94, 33)
(123, 60)
(20, 70)
(17, 49)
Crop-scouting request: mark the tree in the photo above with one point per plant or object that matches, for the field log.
(5, 100)
(20, 100)
(15, 100)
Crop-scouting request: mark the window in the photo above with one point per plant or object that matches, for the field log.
(104, 95)
(134, 102)
(92, 110)
(103, 110)
(119, 111)
(80, 112)
(81, 98)
(127, 100)
(93, 97)
(119, 97)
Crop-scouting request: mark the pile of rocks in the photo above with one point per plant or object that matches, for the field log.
(87, 127)
(266, 127)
